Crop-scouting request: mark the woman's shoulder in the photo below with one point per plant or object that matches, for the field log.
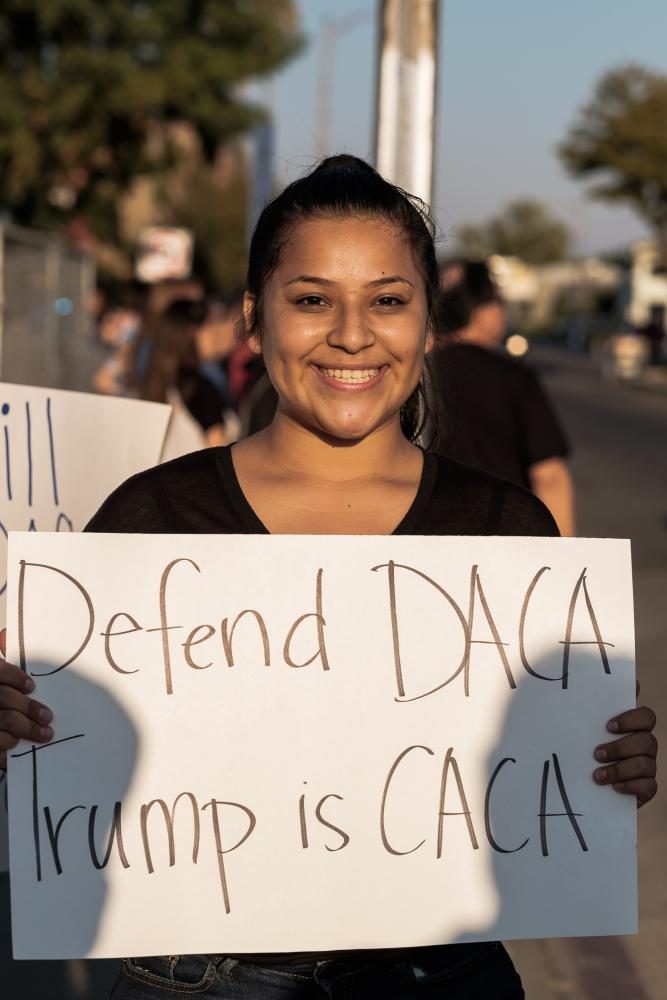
(468, 501)
(162, 498)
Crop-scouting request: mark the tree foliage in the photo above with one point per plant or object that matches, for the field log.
(213, 204)
(89, 89)
(524, 228)
(621, 138)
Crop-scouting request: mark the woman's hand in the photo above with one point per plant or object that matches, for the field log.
(21, 717)
(630, 762)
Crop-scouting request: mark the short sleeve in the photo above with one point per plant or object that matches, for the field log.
(522, 513)
(132, 507)
(542, 435)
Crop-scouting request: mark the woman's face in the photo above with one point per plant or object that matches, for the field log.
(344, 325)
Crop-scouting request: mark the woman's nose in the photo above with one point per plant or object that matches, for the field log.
(351, 331)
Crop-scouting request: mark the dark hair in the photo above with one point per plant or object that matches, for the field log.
(166, 344)
(467, 284)
(341, 186)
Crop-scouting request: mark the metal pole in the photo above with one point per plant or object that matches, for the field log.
(331, 30)
(325, 87)
(407, 76)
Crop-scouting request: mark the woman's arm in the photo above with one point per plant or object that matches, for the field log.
(551, 481)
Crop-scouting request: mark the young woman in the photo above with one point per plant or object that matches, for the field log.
(342, 283)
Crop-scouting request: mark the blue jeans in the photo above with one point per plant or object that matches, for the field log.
(453, 972)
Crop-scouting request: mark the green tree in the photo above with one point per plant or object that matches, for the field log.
(524, 228)
(621, 137)
(91, 93)
(215, 209)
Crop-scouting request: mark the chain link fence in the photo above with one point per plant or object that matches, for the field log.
(47, 335)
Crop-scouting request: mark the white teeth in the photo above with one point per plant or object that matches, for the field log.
(351, 374)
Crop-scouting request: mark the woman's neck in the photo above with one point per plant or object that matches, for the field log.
(302, 454)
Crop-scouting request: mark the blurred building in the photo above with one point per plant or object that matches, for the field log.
(538, 295)
(646, 287)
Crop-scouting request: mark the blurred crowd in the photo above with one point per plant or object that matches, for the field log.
(172, 343)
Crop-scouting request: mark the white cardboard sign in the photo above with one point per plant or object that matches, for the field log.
(61, 454)
(311, 743)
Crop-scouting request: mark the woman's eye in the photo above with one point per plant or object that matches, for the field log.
(389, 300)
(311, 300)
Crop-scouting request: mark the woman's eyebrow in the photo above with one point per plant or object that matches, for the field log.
(391, 279)
(310, 279)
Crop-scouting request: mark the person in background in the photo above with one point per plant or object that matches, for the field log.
(216, 338)
(164, 368)
(216, 346)
(119, 327)
(494, 413)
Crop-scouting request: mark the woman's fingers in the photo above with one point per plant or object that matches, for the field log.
(13, 701)
(636, 745)
(16, 725)
(642, 788)
(27, 723)
(14, 677)
(21, 717)
(630, 762)
(634, 720)
(626, 770)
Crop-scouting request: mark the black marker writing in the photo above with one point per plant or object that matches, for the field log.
(303, 824)
(568, 641)
(169, 821)
(21, 615)
(32, 753)
(450, 763)
(220, 850)
(487, 811)
(115, 836)
(543, 814)
(383, 824)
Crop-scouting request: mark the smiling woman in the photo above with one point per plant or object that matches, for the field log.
(341, 287)
(342, 280)
(344, 347)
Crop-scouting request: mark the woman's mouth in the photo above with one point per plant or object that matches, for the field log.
(349, 377)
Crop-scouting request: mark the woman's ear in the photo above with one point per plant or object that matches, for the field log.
(249, 308)
(429, 343)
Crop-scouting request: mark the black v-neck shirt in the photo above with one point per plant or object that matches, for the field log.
(200, 494)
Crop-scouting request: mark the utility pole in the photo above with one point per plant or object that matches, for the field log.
(331, 30)
(405, 106)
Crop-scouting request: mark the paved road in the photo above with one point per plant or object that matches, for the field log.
(620, 467)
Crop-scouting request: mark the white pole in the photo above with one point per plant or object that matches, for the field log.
(331, 30)
(407, 72)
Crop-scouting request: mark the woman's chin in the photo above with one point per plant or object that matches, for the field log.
(349, 431)
(345, 427)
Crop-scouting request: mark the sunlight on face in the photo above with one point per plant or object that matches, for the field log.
(345, 326)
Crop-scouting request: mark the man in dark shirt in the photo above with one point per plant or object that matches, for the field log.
(494, 412)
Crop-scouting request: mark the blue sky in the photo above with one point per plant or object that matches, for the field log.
(512, 75)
